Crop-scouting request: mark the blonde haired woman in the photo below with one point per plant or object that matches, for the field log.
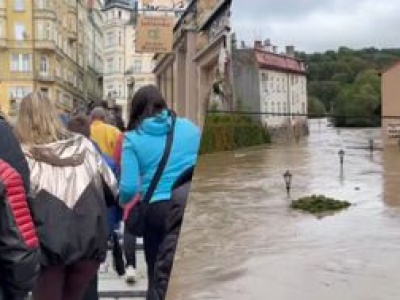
(69, 182)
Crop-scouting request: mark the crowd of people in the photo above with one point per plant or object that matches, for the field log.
(67, 183)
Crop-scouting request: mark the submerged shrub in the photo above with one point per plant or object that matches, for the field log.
(317, 204)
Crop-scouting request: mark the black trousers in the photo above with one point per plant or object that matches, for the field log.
(130, 249)
(153, 236)
(92, 290)
(166, 252)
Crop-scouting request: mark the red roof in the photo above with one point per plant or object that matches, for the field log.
(269, 60)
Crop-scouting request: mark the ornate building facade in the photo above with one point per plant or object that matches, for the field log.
(199, 61)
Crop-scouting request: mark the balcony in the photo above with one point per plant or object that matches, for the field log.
(3, 43)
(45, 44)
(43, 13)
(21, 44)
(45, 77)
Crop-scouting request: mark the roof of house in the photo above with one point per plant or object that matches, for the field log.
(270, 60)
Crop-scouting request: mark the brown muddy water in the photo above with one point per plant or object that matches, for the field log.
(240, 240)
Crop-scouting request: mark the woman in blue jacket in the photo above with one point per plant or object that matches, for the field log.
(143, 146)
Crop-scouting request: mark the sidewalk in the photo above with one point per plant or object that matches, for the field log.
(111, 286)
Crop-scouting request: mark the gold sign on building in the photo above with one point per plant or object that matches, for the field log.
(154, 34)
(163, 3)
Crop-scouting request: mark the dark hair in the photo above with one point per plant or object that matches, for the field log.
(103, 103)
(146, 103)
(79, 124)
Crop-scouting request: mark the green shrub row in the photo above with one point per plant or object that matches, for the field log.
(227, 133)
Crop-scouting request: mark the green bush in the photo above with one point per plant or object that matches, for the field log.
(317, 204)
(230, 132)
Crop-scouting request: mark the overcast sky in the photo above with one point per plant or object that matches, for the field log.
(319, 25)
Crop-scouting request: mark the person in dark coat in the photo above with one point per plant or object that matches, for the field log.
(19, 245)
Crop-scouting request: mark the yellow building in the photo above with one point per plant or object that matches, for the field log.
(43, 47)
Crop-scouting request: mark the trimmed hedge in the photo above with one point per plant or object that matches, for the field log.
(230, 132)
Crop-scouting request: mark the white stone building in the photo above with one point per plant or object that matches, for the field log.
(272, 84)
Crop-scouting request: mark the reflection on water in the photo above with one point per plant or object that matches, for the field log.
(241, 241)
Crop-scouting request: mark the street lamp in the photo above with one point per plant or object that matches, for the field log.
(287, 176)
(371, 145)
(341, 157)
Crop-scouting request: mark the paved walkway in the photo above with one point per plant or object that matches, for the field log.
(111, 286)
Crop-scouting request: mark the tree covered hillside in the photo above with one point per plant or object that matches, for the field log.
(348, 81)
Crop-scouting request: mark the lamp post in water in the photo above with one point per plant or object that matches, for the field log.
(341, 158)
(371, 145)
(287, 176)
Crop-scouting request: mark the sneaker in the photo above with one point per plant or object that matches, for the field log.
(130, 275)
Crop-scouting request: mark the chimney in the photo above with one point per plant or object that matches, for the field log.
(290, 51)
(267, 45)
(258, 45)
(243, 44)
(275, 49)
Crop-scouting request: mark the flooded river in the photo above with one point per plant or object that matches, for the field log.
(241, 241)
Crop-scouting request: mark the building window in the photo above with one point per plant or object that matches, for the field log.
(20, 33)
(40, 31)
(44, 65)
(21, 63)
(47, 31)
(19, 5)
(43, 4)
(58, 69)
(110, 39)
(45, 91)
(120, 64)
(19, 92)
(119, 14)
(279, 108)
(110, 65)
(137, 66)
(119, 38)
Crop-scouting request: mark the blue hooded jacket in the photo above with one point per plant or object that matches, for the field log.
(142, 150)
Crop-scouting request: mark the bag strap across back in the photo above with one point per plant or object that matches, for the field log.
(163, 162)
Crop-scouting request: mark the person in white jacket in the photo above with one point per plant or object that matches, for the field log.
(71, 184)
